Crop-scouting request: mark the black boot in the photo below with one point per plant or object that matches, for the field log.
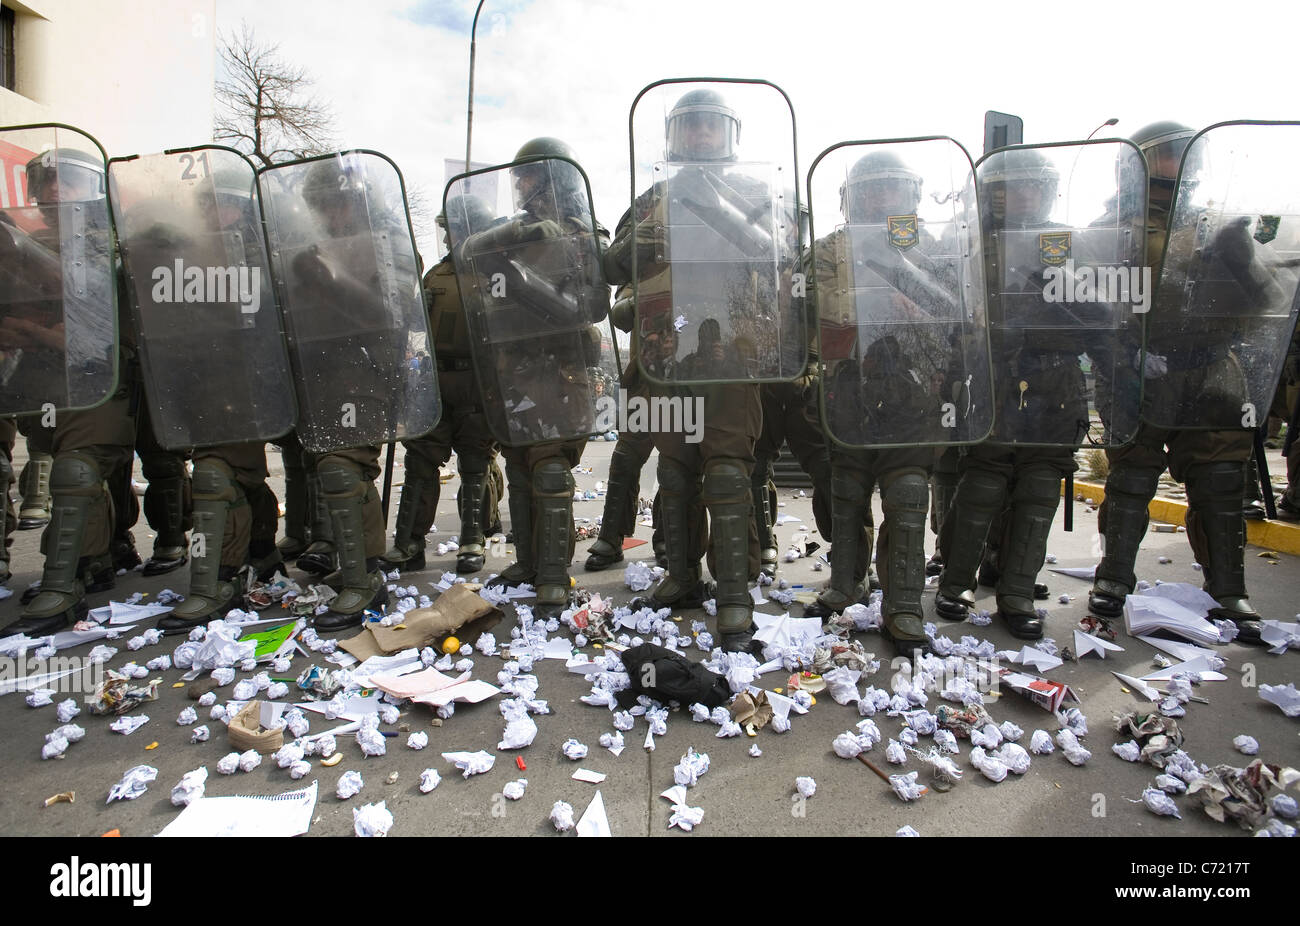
(979, 499)
(1122, 520)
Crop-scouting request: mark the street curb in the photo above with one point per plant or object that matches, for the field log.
(1270, 535)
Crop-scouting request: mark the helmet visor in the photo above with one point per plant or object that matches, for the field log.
(61, 181)
(702, 134)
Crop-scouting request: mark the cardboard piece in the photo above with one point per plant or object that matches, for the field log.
(456, 609)
(246, 731)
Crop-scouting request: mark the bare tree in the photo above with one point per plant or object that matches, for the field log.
(264, 106)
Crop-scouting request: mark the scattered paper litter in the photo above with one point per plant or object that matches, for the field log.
(134, 783)
(562, 816)
(349, 785)
(128, 725)
(594, 821)
(683, 817)
(287, 814)
(191, 787)
(372, 819)
(471, 763)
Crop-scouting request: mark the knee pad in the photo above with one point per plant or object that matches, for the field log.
(1223, 479)
(909, 491)
(674, 477)
(553, 477)
(214, 480)
(340, 479)
(1040, 485)
(624, 457)
(725, 481)
(162, 465)
(847, 488)
(1138, 482)
(471, 464)
(75, 473)
(983, 489)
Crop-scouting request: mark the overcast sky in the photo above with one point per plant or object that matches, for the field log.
(396, 71)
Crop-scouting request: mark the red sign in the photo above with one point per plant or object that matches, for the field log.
(13, 175)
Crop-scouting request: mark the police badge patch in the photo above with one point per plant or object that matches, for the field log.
(902, 231)
(1266, 228)
(1054, 248)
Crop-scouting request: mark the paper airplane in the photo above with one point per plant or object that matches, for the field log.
(1183, 651)
(1076, 572)
(1029, 656)
(119, 612)
(1139, 686)
(1198, 666)
(1085, 643)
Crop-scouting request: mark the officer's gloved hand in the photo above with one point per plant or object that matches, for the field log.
(1234, 246)
(539, 231)
(310, 268)
(1153, 366)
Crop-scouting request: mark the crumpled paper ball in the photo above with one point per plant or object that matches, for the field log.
(562, 816)
(514, 790)
(349, 785)
(372, 819)
(1160, 803)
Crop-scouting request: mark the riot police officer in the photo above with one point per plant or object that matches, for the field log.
(463, 428)
(1192, 377)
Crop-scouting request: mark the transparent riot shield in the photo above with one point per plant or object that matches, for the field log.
(1064, 244)
(211, 341)
(715, 222)
(523, 241)
(348, 279)
(1226, 299)
(58, 296)
(900, 294)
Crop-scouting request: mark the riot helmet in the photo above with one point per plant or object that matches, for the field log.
(336, 189)
(469, 214)
(879, 185)
(536, 177)
(229, 193)
(65, 175)
(1019, 185)
(1163, 144)
(702, 127)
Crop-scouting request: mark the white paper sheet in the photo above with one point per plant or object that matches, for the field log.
(1145, 613)
(594, 822)
(287, 814)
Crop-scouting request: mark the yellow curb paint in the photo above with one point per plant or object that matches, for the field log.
(1271, 535)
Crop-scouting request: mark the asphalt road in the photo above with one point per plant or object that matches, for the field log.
(741, 795)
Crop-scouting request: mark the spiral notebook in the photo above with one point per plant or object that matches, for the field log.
(287, 814)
